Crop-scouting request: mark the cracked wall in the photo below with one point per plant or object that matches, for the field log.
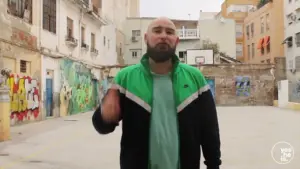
(241, 84)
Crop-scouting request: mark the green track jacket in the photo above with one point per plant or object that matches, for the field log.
(197, 116)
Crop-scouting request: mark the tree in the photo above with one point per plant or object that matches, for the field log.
(208, 44)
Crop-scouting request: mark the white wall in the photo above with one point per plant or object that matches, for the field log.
(107, 52)
(219, 32)
(49, 63)
(291, 30)
(283, 93)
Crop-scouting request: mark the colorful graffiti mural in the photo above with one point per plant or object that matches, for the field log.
(79, 82)
(24, 95)
(242, 84)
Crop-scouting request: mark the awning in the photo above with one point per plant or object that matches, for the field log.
(260, 43)
(290, 38)
(266, 41)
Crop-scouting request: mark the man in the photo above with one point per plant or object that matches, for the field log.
(166, 108)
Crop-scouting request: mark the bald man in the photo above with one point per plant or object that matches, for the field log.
(166, 107)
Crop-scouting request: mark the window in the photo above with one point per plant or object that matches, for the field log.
(21, 9)
(297, 39)
(82, 34)
(252, 30)
(248, 32)
(49, 15)
(239, 49)
(239, 30)
(134, 54)
(268, 22)
(136, 33)
(93, 41)
(104, 41)
(24, 67)
(253, 50)
(70, 27)
(262, 25)
(249, 52)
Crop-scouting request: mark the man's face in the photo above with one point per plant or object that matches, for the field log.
(161, 40)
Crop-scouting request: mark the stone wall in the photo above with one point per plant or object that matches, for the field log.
(242, 84)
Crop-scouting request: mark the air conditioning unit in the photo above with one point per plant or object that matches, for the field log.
(134, 39)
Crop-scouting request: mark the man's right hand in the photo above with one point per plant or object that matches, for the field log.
(111, 106)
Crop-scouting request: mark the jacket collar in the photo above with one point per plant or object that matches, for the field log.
(146, 67)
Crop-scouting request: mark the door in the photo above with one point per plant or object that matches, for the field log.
(211, 83)
(49, 93)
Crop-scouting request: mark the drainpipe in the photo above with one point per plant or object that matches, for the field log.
(79, 39)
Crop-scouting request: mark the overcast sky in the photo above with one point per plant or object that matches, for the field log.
(178, 9)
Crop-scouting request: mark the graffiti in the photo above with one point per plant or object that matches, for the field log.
(24, 95)
(78, 91)
(65, 96)
(242, 84)
(23, 38)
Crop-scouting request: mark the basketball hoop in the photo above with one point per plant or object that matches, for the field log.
(199, 60)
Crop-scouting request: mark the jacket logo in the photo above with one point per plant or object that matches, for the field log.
(186, 86)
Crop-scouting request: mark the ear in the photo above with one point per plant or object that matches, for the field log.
(177, 40)
(145, 38)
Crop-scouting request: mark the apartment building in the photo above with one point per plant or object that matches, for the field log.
(292, 33)
(238, 10)
(291, 44)
(55, 50)
(136, 27)
(264, 32)
(19, 44)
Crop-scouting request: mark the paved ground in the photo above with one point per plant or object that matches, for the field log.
(248, 135)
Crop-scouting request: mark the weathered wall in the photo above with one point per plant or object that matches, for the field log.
(241, 84)
(79, 92)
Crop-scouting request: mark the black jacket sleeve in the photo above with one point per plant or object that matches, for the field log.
(100, 125)
(210, 137)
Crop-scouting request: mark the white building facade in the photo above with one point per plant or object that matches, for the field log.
(292, 49)
(136, 28)
(292, 33)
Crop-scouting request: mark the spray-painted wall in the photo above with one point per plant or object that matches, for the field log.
(24, 97)
(79, 89)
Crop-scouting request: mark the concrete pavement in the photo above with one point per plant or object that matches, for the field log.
(248, 135)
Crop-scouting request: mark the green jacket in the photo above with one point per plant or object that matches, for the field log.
(197, 116)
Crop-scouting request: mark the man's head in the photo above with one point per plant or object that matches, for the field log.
(161, 40)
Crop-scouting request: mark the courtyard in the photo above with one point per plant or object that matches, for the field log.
(249, 136)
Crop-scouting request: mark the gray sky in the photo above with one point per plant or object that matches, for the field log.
(178, 9)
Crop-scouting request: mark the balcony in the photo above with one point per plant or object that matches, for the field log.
(71, 41)
(84, 46)
(97, 15)
(94, 51)
(188, 33)
(82, 4)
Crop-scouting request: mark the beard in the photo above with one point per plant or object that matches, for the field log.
(160, 53)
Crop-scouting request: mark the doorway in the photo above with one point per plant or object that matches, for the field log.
(49, 93)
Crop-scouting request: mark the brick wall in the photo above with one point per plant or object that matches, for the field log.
(242, 84)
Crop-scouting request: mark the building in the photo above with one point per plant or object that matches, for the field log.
(57, 51)
(291, 44)
(220, 31)
(136, 27)
(238, 10)
(264, 32)
(19, 44)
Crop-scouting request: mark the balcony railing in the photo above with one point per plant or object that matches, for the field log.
(188, 33)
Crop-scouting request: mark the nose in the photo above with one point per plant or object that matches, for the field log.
(163, 35)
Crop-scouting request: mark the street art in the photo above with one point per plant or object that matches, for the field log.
(78, 90)
(242, 84)
(24, 95)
